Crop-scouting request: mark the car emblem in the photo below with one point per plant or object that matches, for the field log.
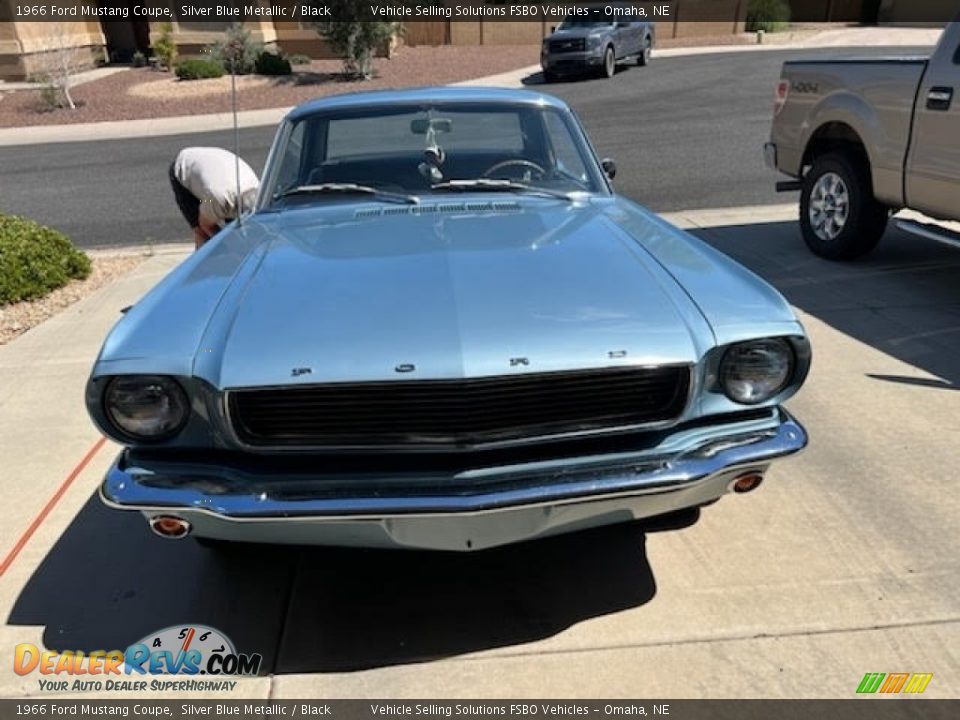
(297, 372)
(405, 367)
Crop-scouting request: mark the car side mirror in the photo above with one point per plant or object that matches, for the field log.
(553, 29)
(609, 168)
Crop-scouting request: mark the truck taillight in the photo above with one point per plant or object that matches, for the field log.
(780, 99)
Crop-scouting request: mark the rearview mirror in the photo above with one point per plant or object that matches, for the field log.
(420, 126)
(609, 168)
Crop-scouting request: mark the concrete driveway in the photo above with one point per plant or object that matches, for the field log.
(845, 562)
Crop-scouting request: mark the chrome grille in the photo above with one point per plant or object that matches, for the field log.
(458, 413)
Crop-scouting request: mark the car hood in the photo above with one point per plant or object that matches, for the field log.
(365, 292)
(574, 33)
(446, 291)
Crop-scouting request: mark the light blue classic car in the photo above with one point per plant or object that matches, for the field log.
(440, 328)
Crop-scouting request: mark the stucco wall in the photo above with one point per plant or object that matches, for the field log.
(25, 46)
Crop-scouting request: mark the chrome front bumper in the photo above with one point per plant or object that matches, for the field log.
(510, 504)
(571, 61)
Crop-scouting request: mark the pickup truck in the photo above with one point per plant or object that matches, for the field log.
(864, 138)
(595, 46)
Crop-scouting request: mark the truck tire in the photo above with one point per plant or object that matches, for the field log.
(839, 217)
(609, 67)
(643, 58)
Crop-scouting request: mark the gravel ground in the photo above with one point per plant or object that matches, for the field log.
(121, 96)
(19, 317)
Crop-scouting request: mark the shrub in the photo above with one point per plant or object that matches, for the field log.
(165, 49)
(35, 260)
(50, 96)
(768, 15)
(236, 52)
(299, 59)
(355, 40)
(269, 63)
(199, 69)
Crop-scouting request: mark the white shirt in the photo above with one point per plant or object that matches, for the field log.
(210, 174)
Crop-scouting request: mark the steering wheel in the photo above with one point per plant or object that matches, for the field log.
(519, 162)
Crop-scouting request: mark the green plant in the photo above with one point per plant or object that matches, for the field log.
(199, 69)
(237, 52)
(35, 259)
(165, 48)
(767, 15)
(299, 59)
(353, 38)
(269, 63)
(50, 96)
(139, 59)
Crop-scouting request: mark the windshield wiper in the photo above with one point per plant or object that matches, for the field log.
(491, 185)
(347, 189)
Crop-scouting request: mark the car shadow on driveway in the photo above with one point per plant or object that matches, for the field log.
(537, 78)
(108, 583)
(903, 299)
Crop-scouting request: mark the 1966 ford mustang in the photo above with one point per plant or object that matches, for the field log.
(440, 328)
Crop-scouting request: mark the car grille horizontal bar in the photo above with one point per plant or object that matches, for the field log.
(458, 413)
(562, 46)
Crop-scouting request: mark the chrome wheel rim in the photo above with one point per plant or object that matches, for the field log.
(646, 52)
(829, 206)
(608, 62)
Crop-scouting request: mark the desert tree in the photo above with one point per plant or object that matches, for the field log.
(354, 36)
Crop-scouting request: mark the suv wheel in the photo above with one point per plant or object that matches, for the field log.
(609, 62)
(839, 217)
(644, 57)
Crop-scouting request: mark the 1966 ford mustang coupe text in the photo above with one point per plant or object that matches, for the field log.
(440, 328)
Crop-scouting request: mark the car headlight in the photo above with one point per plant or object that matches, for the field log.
(594, 41)
(147, 407)
(754, 371)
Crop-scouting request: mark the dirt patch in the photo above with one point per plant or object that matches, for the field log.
(121, 96)
(17, 318)
(168, 88)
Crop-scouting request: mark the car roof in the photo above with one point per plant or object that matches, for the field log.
(373, 98)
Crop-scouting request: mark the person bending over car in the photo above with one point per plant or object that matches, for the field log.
(205, 184)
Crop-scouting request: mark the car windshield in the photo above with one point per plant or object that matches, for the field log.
(571, 24)
(395, 153)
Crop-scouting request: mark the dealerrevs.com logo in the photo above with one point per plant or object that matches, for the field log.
(182, 650)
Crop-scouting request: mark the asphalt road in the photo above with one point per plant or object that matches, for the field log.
(686, 132)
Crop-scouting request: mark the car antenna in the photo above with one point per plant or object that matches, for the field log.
(236, 135)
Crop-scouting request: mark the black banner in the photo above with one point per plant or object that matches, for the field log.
(409, 11)
(856, 709)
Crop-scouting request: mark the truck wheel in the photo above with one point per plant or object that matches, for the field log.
(839, 217)
(644, 57)
(609, 62)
